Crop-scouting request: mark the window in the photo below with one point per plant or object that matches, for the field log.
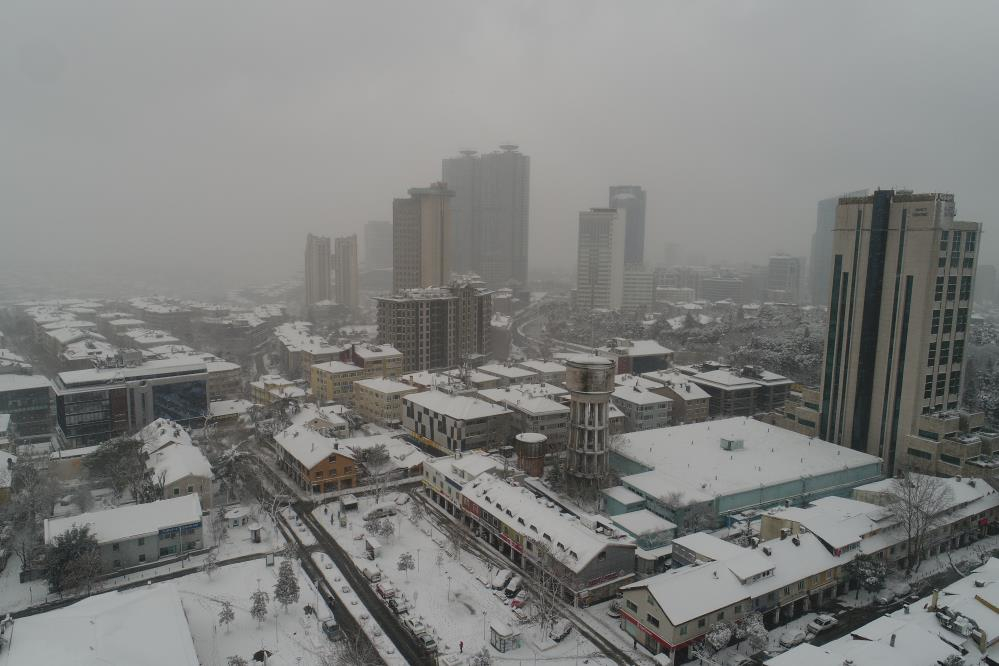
(683, 630)
(721, 616)
(955, 382)
(941, 384)
(969, 262)
(969, 244)
(966, 288)
(935, 323)
(142, 557)
(701, 623)
(942, 261)
(951, 287)
(176, 491)
(948, 319)
(962, 320)
(142, 541)
(931, 360)
(958, 355)
(190, 489)
(652, 620)
(114, 547)
(944, 352)
(928, 387)
(950, 460)
(926, 434)
(943, 240)
(632, 606)
(938, 292)
(916, 453)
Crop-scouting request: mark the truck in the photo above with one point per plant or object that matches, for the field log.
(372, 547)
(373, 574)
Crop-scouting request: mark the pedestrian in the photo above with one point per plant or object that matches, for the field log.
(461, 646)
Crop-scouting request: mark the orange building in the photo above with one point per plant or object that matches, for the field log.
(317, 464)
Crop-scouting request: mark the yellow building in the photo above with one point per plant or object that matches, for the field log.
(334, 381)
(380, 400)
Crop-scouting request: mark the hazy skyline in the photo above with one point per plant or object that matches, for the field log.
(209, 138)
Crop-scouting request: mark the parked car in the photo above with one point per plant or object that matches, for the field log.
(398, 606)
(427, 642)
(373, 574)
(822, 623)
(381, 511)
(385, 589)
(513, 587)
(792, 638)
(501, 578)
(560, 630)
(519, 600)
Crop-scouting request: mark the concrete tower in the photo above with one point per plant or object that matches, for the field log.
(590, 380)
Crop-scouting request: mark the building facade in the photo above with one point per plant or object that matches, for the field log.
(902, 287)
(454, 423)
(27, 399)
(600, 259)
(380, 400)
(490, 213)
(317, 269)
(345, 271)
(334, 381)
(632, 199)
(784, 279)
(421, 238)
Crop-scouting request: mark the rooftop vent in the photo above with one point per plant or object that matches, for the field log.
(732, 444)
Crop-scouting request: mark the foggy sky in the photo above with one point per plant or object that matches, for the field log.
(207, 138)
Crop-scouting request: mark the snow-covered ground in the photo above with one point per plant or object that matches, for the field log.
(293, 638)
(448, 595)
(352, 603)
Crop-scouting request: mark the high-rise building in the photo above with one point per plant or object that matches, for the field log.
(820, 261)
(784, 279)
(490, 214)
(590, 380)
(438, 327)
(377, 245)
(317, 269)
(985, 284)
(600, 259)
(901, 291)
(421, 238)
(345, 270)
(632, 199)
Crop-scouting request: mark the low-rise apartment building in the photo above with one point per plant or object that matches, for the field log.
(690, 401)
(28, 401)
(510, 374)
(531, 410)
(334, 381)
(744, 392)
(378, 360)
(643, 409)
(453, 423)
(952, 442)
(317, 464)
(135, 534)
(550, 372)
(380, 400)
(637, 356)
(269, 388)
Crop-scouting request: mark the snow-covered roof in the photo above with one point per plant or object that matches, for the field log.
(145, 625)
(426, 379)
(89, 348)
(131, 521)
(307, 446)
(149, 336)
(636, 348)
(622, 495)
(402, 454)
(725, 379)
(162, 432)
(175, 462)
(625, 379)
(472, 376)
(639, 523)
(520, 398)
(371, 352)
(679, 382)
(541, 366)
(510, 372)
(151, 368)
(337, 367)
(639, 396)
(297, 336)
(689, 458)
(708, 547)
(227, 407)
(466, 467)
(459, 407)
(384, 385)
(574, 544)
(11, 382)
(838, 521)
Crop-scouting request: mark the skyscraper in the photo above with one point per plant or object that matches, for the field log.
(783, 279)
(490, 214)
(820, 261)
(632, 199)
(902, 281)
(317, 269)
(377, 245)
(345, 270)
(421, 238)
(600, 259)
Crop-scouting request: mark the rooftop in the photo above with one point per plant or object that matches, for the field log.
(460, 407)
(679, 382)
(307, 446)
(131, 521)
(639, 396)
(635, 348)
(337, 367)
(148, 369)
(10, 382)
(544, 367)
(521, 398)
(384, 385)
(690, 460)
(640, 523)
(511, 372)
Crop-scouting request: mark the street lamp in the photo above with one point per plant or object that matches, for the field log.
(485, 614)
(449, 589)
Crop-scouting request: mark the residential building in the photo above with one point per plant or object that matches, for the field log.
(490, 212)
(175, 462)
(437, 328)
(345, 271)
(316, 463)
(421, 238)
(377, 245)
(638, 289)
(739, 392)
(533, 411)
(784, 279)
(299, 349)
(637, 356)
(820, 261)
(98, 404)
(600, 259)
(380, 400)
(510, 374)
(696, 475)
(589, 561)
(903, 274)
(379, 360)
(632, 199)
(444, 478)
(800, 412)
(452, 423)
(549, 372)
(27, 399)
(163, 314)
(690, 401)
(269, 388)
(318, 282)
(643, 409)
(404, 460)
(951, 443)
(135, 534)
(334, 381)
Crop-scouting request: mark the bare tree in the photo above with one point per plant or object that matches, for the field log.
(917, 503)
(374, 461)
(353, 650)
(690, 516)
(549, 573)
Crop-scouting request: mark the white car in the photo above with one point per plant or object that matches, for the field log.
(792, 638)
(560, 630)
(822, 623)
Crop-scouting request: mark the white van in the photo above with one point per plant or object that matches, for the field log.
(513, 587)
(373, 574)
(501, 578)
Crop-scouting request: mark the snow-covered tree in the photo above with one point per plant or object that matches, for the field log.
(236, 660)
(751, 628)
(481, 658)
(718, 636)
(386, 529)
(286, 587)
(416, 511)
(226, 615)
(868, 572)
(211, 563)
(406, 563)
(953, 660)
(373, 527)
(258, 606)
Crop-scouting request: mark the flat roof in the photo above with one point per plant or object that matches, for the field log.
(689, 460)
(148, 369)
(308, 446)
(131, 521)
(382, 385)
(623, 495)
(639, 396)
(507, 371)
(460, 407)
(336, 367)
(12, 382)
(523, 400)
(642, 522)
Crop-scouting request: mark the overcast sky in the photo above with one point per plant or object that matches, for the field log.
(209, 137)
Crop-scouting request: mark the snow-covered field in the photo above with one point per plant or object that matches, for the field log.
(448, 595)
(292, 637)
